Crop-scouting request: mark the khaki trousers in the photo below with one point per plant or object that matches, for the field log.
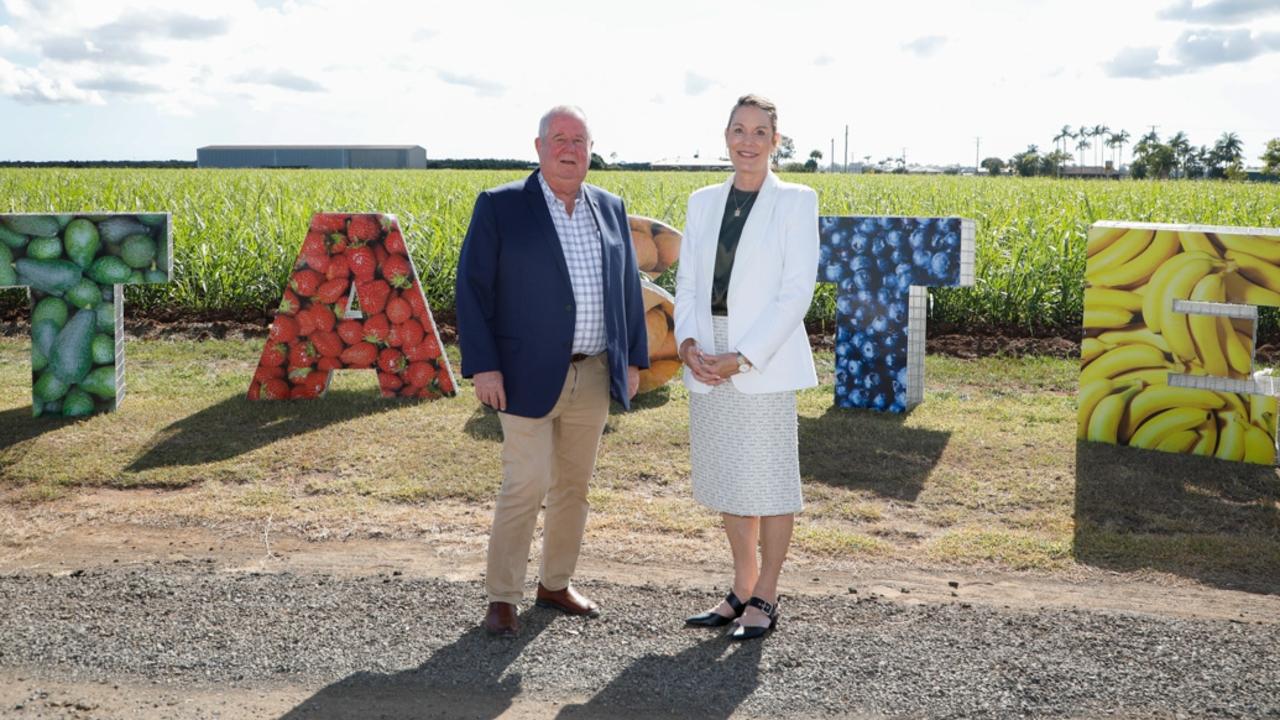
(550, 457)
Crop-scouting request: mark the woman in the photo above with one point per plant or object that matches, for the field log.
(748, 264)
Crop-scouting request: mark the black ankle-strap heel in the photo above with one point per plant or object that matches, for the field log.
(751, 632)
(711, 618)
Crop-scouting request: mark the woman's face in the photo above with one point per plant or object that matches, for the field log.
(751, 139)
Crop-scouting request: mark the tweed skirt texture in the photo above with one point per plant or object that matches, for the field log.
(744, 447)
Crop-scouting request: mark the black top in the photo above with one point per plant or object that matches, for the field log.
(736, 209)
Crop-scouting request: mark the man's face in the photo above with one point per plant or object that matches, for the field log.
(565, 153)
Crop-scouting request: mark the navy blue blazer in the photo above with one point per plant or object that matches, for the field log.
(515, 304)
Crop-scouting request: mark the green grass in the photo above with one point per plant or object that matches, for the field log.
(987, 472)
(236, 231)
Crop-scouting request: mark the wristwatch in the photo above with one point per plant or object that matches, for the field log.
(744, 365)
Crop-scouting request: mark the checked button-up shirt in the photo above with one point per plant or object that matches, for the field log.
(580, 239)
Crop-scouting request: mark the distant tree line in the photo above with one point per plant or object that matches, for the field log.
(99, 163)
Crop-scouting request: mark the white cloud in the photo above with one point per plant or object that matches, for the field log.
(925, 46)
(29, 85)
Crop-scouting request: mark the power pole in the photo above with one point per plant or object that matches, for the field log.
(977, 153)
(846, 148)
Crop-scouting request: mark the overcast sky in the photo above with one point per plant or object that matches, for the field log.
(112, 79)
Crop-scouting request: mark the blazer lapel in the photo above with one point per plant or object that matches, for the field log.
(753, 233)
(545, 228)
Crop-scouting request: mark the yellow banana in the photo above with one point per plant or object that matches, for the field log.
(1104, 424)
(1262, 412)
(1106, 316)
(1164, 424)
(1230, 438)
(1235, 403)
(1242, 325)
(1204, 328)
(1259, 447)
(1239, 353)
(1173, 325)
(1198, 241)
(1101, 238)
(1095, 296)
(1149, 376)
(1162, 247)
(1208, 441)
(1158, 398)
(1266, 248)
(1131, 337)
(1256, 269)
(1120, 359)
(1090, 396)
(1091, 348)
(1180, 442)
(1124, 249)
(1153, 296)
(1243, 291)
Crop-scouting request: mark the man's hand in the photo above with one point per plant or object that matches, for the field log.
(633, 381)
(489, 389)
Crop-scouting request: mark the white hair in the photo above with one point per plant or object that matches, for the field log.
(571, 110)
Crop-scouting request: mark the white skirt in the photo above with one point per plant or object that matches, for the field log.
(743, 448)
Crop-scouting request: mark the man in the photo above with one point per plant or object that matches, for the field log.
(550, 323)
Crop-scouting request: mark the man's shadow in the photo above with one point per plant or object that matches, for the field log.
(237, 425)
(464, 679)
(864, 449)
(710, 679)
(1214, 521)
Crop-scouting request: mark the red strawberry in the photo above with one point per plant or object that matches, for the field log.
(290, 303)
(432, 345)
(419, 374)
(351, 331)
(298, 372)
(360, 355)
(363, 263)
(330, 291)
(255, 390)
(323, 317)
(340, 308)
(264, 373)
(364, 228)
(329, 363)
(419, 303)
(338, 267)
(329, 222)
(412, 332)
(389, 382)
(395, 243)
(283, 329)
(273, 355)
(275, 389)
(306, 322)
(314, 382)
(337, 243)
(302, 354)
(315, 252)
(397, 270)
(376, 329)
(305, 282)
(428, 393)
(380, 254)
(373, 296)
(327, 343)
(391, 360)
(445, 383)
(398, 310)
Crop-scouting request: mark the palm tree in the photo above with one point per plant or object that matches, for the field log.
(1120, 139)
(1181, 148)
(1099, 131)
(1083, 144)
(1062, 137)
(1230, 148)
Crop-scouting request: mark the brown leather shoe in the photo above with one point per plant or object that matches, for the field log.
(568, 601)
(501, 620)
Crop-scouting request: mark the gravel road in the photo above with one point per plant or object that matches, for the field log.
(391, 646)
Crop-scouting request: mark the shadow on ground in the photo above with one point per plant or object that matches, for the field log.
(1212, 521)
(18, 426)
(237, 425)
(709, 679)
(863, 449)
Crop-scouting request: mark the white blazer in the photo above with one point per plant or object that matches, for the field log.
(775, 269)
